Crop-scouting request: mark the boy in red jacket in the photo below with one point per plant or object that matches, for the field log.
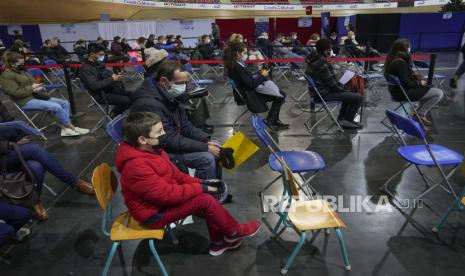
(156, 193)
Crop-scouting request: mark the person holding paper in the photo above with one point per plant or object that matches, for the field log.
(234, 56)
(322, 72)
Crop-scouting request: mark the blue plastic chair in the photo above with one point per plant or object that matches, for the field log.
(57, 72)
(439, 78)
(302, 215)
(51, 86)
(422, 155)
(320, 101)
(395, 81)
(115, 128)
(139, 70)
(236, 124)
(105, 109)
(197, 81)
(299, 162)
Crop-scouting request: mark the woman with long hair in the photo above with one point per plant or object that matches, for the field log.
(399, 63)
(234, 56)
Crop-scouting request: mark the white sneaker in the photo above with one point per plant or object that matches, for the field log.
(67, 132)
(81, 131)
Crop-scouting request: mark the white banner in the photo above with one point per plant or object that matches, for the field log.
(430, 3)
(251, 6)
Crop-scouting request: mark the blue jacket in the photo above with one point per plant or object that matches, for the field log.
(182, 136)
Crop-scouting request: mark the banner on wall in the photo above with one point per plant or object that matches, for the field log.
(187, 24)
(13, 28)
(325, 28)
(430, 3)
(68, 29)
(305, 22)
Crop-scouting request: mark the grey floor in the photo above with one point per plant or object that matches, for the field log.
(70, 242)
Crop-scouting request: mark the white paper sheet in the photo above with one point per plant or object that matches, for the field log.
(348, 75)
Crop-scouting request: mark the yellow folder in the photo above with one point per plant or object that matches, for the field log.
(242, 146)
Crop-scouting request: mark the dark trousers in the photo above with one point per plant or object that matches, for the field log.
(121, 100)
(351, 102)
(220, 222)
(461, 70)
(276, 104)
(15, 217)
(39, 161)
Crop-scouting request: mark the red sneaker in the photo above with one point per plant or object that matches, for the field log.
(248, 229)
(216, 250)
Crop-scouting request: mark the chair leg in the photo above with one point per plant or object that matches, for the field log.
(343, 249)
(110, 258)
(294, 254)
(443, 219)
(157, 258)
(50, 189)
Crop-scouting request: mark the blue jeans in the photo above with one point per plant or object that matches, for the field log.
(15, 217)
(204, 164)
(39, 160)
(59, 107)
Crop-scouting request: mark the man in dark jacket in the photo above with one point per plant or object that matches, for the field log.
(56, 52)
(322, 72)
(264, 44)
(105, 87)
(186, 144)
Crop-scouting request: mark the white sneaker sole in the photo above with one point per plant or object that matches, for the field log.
(219, 252)
(251, 235)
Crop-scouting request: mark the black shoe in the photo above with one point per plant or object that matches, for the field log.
(208, 128)
(272, 127)
(280, 124)
(347, 125)
(453, 83)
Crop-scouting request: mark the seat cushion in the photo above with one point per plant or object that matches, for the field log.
(373, 76)
(298, 161)
(206, 81)
(419, 155)
(314, 215)
(125, 227)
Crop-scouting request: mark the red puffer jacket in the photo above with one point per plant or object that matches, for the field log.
(150, 182)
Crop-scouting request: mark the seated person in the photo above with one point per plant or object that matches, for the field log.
(399, 63)
(39, 161)
(81, 50)
(297, 46)
(234, 55)
(150, 41)
(165, 95)
(205, 48)
(105, 87)
(264, 44)
(56, 52)
(322, 72)
(116, 54)
(20, 86)
(156, 193)
(285, 52)
(14, 217)
(313, 40)
(162, 44)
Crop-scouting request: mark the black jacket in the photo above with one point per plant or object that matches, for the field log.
(181, 135)
(322, 73)
(96, 78)
(207, 51)
(265, 46)
(149, 44)
(401, 67)
(246, 84)
(58, 53)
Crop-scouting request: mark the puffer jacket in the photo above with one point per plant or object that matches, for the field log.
(17, 85)
(150, 182)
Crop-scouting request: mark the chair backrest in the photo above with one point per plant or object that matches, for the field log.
(115, 128)
(407, 125)
(133, 59)
(393, 80)
(310, 82)
(259, 127)
(233, 84)
(35, 72)
(188, 67)
(50, 61)
(421, 64)
(105, 184)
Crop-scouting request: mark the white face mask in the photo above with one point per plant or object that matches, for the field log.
(177, 89)
(207, 41)
(408, 50)
(294, 37)
(241, 40)
(353, 37)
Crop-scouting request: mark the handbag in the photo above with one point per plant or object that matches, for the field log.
(269, 88)
(17, 188)
(41, 96)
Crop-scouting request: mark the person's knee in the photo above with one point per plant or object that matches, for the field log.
(7, 233)
(36, 169)
(206, 200)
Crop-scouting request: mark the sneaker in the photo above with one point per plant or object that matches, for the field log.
(81, 131)
(67, 132)
(216, 250)
(246, 230)
(23, 233)
(347, 125)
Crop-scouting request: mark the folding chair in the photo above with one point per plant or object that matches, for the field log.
(106, 111)
(198, 82)
(115, 128)
(20, 126)
(236, 125)
(302, 216)
(422, 155)
(458, 203)
(324, 105)
(50, 86)
(124, 227)
(300, 162)
(139, 70)
(438, 78)
(394, 81)
(56, 72)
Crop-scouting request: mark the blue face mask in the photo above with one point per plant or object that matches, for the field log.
(244, 58)
(101, 58)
